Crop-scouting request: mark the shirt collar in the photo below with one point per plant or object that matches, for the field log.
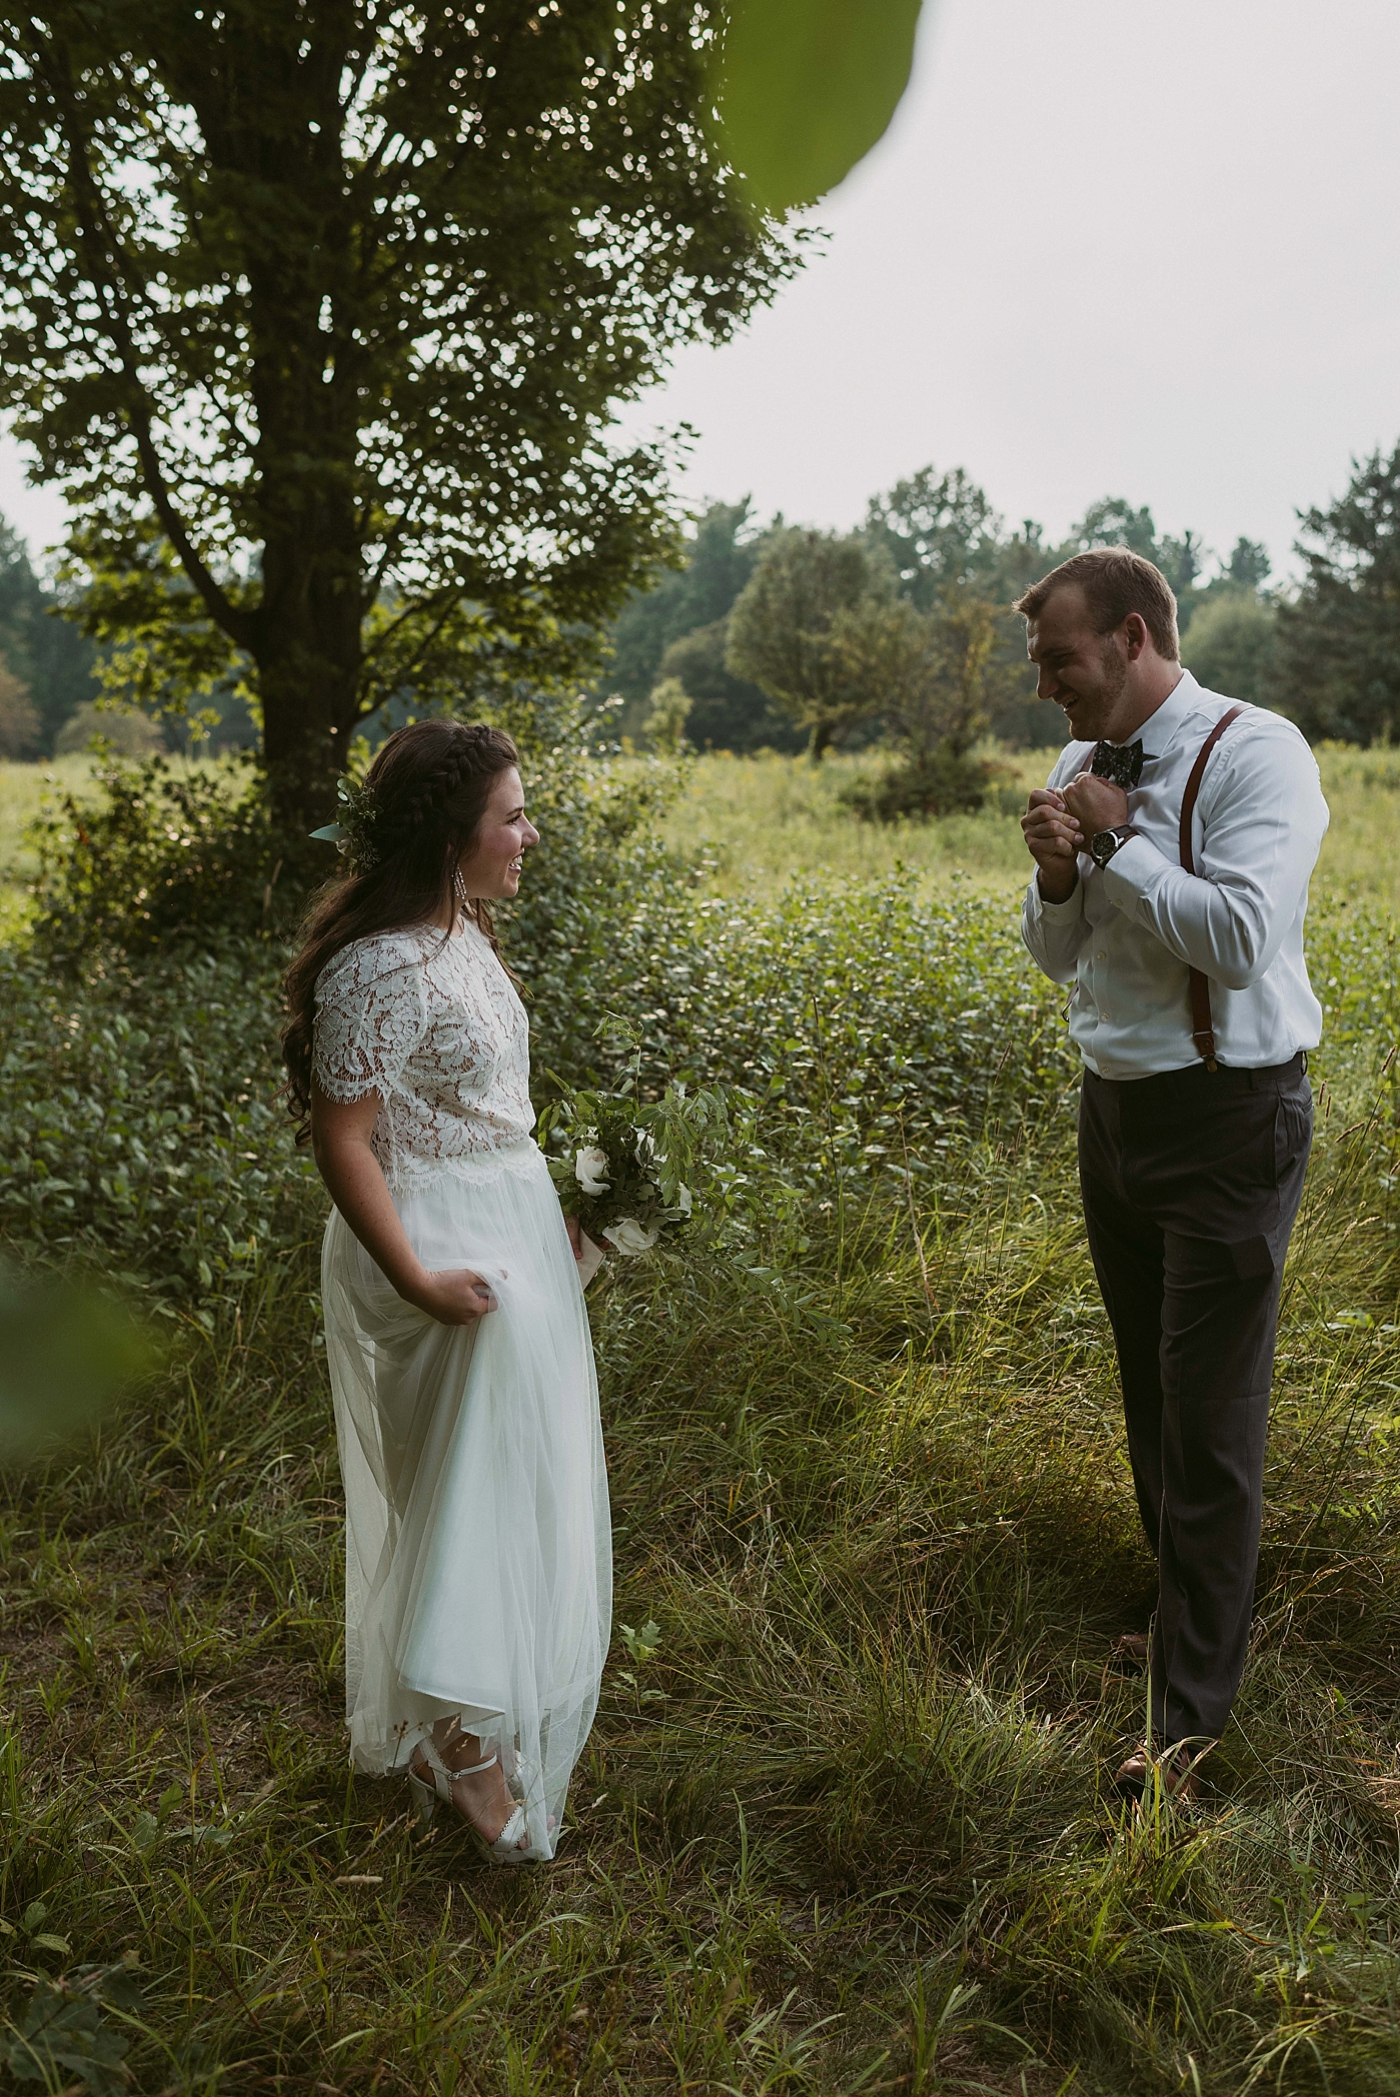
(1159, 730)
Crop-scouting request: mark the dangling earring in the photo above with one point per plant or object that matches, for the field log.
(460, 889)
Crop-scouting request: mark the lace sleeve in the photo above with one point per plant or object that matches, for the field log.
(370, 1016)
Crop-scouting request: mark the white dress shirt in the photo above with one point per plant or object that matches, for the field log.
(1131, 931)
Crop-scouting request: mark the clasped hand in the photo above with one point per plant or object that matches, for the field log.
(1057, 825)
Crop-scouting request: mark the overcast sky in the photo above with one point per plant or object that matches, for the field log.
(1108, 247)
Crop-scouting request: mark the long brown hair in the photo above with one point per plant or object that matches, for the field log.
(425, 796)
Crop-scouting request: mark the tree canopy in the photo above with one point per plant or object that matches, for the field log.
(781, 629)
(933, 542)
(319, 312)
(1232, 647)
(1341, 633)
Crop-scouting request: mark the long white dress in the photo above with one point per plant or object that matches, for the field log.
(478, 1567)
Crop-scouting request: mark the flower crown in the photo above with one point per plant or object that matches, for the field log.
(353, 833)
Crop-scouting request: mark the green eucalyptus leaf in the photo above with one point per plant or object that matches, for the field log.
(805, 88)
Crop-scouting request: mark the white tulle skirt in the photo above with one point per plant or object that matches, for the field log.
(478, 1563)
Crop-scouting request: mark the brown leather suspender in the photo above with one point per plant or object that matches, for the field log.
(1202, 1025)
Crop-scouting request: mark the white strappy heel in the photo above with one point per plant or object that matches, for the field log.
(508, 1847)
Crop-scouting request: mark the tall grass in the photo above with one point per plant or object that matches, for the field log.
(757, 820)
(843, 1824)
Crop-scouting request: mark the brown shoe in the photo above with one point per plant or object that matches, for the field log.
(1129, 1653)
(1176, 1766)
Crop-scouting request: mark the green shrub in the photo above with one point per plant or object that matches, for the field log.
(171, 854)
(860, 1027)
(139, 1120)
(596, 866)
(938, 782)
(174, 857)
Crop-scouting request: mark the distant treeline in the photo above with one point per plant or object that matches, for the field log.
(46, 663)
(49, 681)
(1326, 652)
(771, 635)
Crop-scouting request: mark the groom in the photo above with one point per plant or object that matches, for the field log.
(1173, 846)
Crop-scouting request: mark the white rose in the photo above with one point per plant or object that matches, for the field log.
(590, 1169)
(631, 1237)
(683, 1201)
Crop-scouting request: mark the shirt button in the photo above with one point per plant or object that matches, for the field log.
(1101, 955)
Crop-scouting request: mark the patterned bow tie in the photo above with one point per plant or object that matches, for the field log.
(1120, 763)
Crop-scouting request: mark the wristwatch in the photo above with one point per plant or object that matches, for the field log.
(1104, 843)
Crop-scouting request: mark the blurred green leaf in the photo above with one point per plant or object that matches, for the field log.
(64, 1353)
(805, 88)
(63, 2033)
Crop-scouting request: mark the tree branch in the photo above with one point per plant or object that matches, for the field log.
(98, 240)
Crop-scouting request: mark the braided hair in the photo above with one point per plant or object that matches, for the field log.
(421, 807)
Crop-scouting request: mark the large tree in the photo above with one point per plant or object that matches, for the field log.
(1340, 669)
(935, 530)
(318, 309)
(780, 630)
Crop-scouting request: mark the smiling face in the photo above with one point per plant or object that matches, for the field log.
(490, 867)
(1086, 673)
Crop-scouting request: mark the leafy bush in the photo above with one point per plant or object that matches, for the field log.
(937, 782)
(139, 1121)
(174, 857)
(596, 868)
(861, 1029)
(169, 854)
(139, 1115)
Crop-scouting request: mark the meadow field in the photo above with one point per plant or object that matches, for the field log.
(844, 1824)
(755, 821)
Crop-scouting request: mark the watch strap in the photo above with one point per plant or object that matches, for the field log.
(1119, 833)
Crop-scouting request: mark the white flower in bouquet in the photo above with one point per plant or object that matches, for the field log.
(590, 1169)
(632, 1237)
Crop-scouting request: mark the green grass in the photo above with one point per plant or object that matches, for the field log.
(758, 820)
(23, 788)
(848, 1829)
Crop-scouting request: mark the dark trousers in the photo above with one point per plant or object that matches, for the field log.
(1191, 1181)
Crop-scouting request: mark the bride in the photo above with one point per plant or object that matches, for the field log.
(478, 1562)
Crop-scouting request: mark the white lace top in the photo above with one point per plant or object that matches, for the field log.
(435, 1028)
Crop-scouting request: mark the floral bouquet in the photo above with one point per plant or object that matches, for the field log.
(619, 1163)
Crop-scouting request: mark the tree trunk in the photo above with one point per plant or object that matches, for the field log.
(308, 652)
(278, 154)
